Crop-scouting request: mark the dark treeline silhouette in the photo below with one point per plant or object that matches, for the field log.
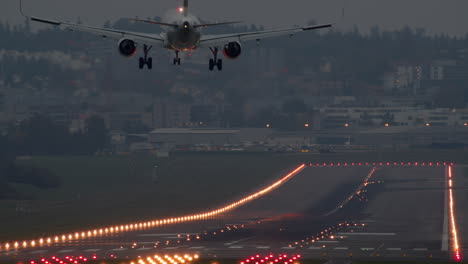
(39, 136)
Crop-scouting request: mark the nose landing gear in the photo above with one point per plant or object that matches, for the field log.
(215, 61)
(146, 60)
(176, 59)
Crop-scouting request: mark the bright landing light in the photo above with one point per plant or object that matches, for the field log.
(453, 226)
(138, 226)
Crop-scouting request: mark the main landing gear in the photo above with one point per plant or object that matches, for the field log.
(146, 60)
(215, 61)
(176, 59)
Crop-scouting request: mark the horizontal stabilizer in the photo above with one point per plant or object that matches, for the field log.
(216, 24)
(154, 22)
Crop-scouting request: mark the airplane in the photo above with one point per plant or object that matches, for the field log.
(183, 34)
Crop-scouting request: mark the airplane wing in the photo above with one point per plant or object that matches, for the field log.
(138, 37)
(143, 38)
(214, 40)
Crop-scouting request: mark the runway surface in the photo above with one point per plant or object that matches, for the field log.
(354, 212)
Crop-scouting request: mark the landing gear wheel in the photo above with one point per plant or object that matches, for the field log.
(146, 60)
(215, 61)
(141, 63)
(178, 61)
(211, 65)
(150, 63)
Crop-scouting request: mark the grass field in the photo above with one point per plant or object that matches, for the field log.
(99, 191)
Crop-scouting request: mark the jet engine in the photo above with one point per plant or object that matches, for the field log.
(232, 50)
(127, 47)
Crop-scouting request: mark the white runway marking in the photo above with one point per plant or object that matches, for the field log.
(92, 250)
(118, 249)
(365, 234)
(172, 248)
(288, 248)
(140, 249)
(38, 252)
(367, 249)
(65, 251)
(420, 249)
(234, 247)
(393, 249)
(196, 247)
(263, 247)
(341, 248)
(237, 241)
(315, 248)
(445, 228)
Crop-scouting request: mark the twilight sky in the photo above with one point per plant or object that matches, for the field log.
(437, 16)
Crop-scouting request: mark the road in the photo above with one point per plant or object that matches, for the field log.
(353, 212)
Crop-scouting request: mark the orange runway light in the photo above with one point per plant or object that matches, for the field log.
(86, 234)
(453, 226)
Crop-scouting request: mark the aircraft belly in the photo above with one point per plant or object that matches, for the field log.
(183, 41)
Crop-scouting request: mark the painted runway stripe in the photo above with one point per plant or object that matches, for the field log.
(263, 247)
(118, 249)
(365, 234)
(367, 249)
(315, 248)
(393, 249)
(92, 250)
(65, 251)
(141, 249)
(288, 248)
(237, 241)
(38, 252)
(341, 248)
(196, 247)
(172, 248)
(234, 247)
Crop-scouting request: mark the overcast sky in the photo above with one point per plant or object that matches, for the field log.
(437, 16)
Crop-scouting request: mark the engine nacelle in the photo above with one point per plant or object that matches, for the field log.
(232, 50)
(127, 47)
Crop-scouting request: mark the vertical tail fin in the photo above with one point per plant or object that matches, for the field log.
(185, 7)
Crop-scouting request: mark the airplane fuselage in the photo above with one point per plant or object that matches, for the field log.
(183, 38)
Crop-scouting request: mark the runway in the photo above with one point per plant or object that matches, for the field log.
(373, 211)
